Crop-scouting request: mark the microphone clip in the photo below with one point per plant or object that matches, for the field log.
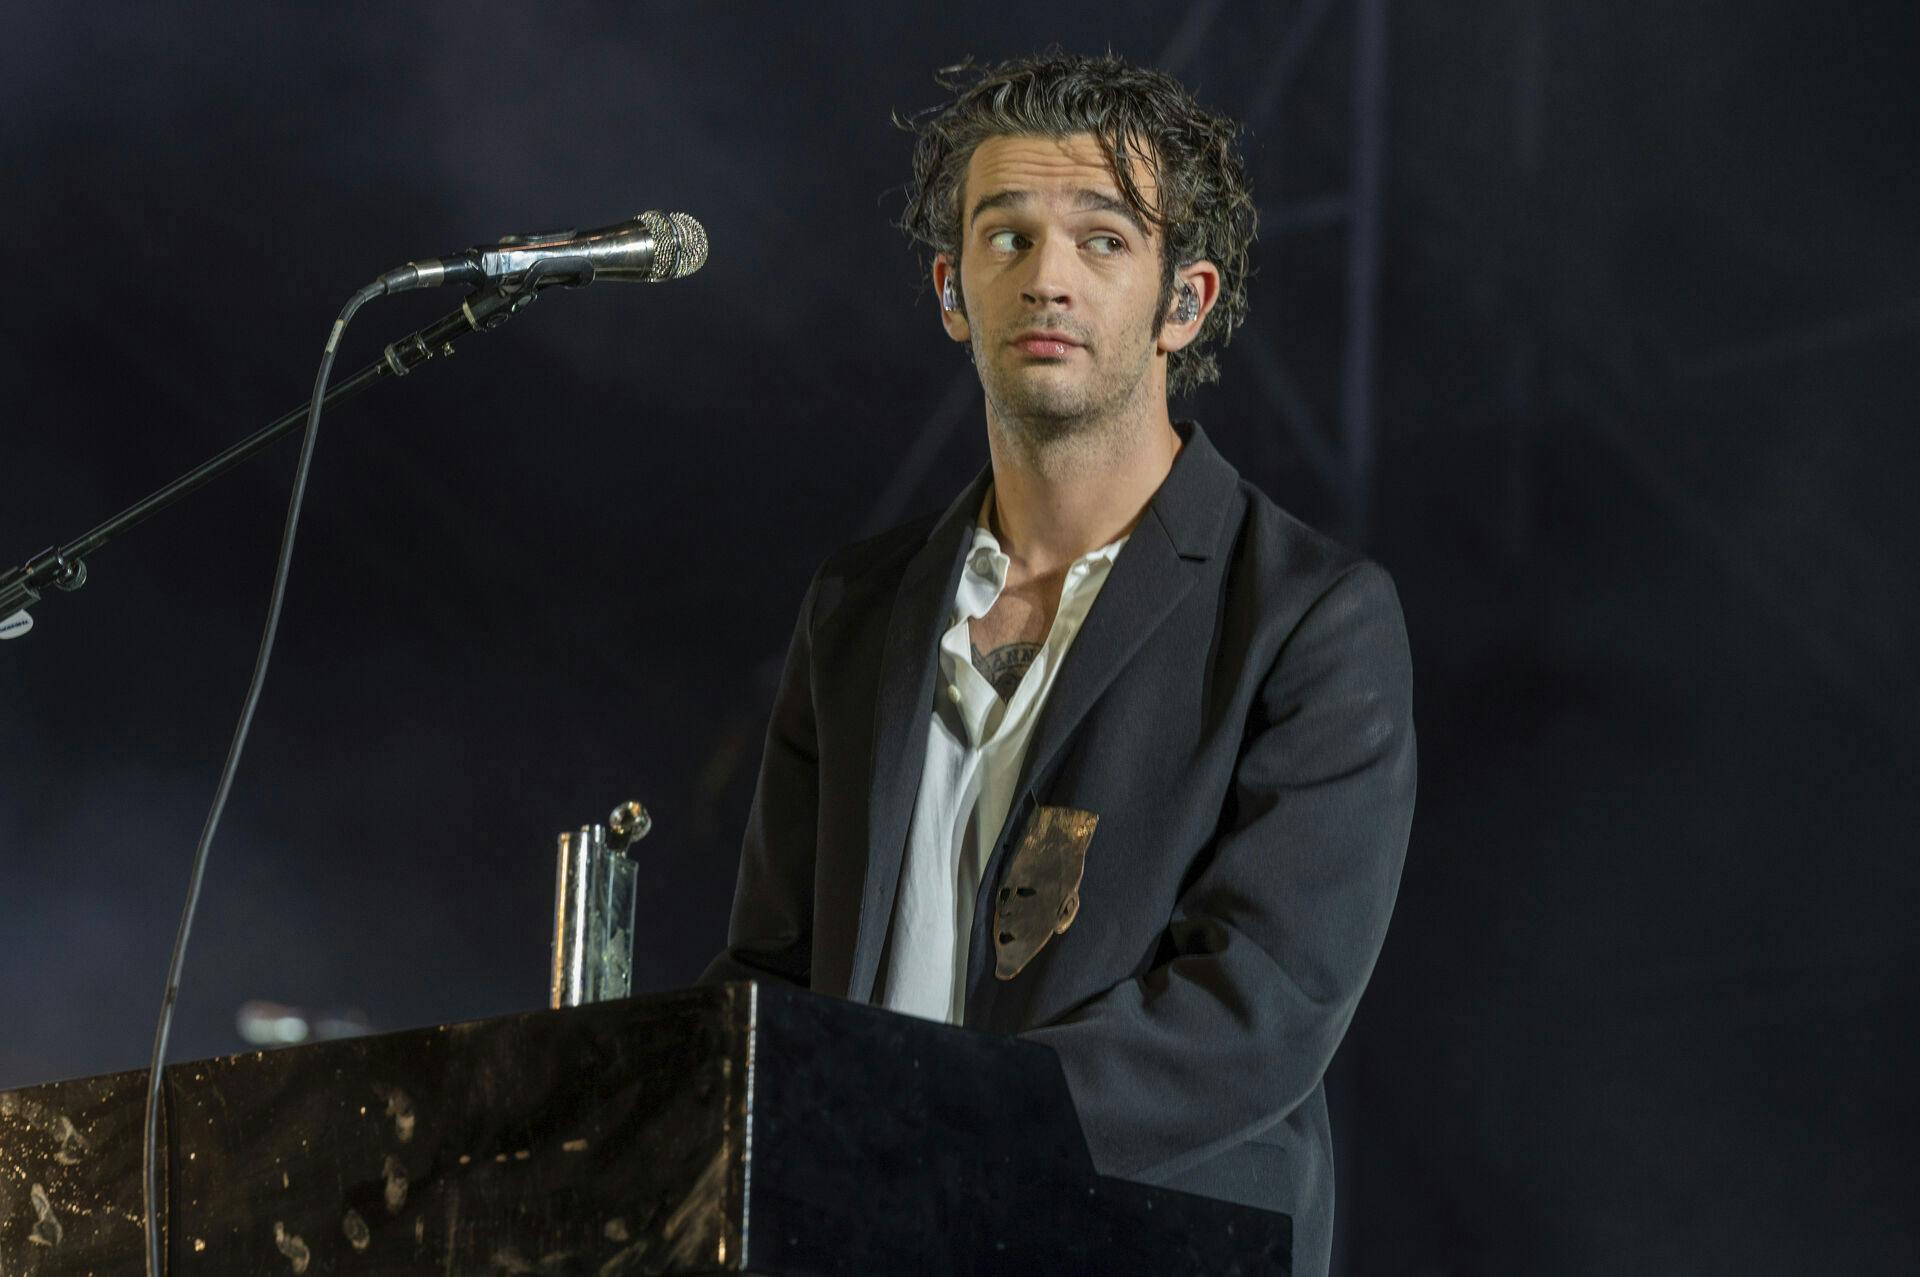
(484, 310)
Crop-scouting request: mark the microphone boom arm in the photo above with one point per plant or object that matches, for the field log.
(65, 566)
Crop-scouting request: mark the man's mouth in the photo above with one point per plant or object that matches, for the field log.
(1046, 344)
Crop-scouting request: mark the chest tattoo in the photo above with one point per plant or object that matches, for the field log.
(1005, 666)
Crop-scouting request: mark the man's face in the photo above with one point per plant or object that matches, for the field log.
(1061, 284)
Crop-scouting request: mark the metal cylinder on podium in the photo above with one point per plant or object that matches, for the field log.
(595, 890)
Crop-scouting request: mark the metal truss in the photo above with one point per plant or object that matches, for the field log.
(1342, 457)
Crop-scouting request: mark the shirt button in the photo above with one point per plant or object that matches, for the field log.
(953, 693)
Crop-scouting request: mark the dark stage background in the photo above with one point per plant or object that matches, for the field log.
(1595, 321)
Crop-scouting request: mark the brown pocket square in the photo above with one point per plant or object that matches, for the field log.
(1040, 892)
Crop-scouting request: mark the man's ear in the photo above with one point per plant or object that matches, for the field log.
(1196, 287)
(946, 288)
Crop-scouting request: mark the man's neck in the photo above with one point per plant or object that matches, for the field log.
(1052, 504)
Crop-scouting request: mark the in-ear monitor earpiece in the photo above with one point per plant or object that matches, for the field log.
(1188, 308)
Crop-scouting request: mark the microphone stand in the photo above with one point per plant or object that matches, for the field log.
(65, 567)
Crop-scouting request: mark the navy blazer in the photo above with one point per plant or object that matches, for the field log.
(1237, 712)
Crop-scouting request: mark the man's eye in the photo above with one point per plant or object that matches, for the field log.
(1107, 245)
(1006, 241)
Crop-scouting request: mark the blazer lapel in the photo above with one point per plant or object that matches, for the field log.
(902, 705)
(1148, 580)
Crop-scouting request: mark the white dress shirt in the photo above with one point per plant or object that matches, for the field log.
(976, 744)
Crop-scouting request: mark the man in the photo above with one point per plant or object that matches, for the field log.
(1109, 657)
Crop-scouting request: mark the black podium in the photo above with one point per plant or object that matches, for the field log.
(743, 1128)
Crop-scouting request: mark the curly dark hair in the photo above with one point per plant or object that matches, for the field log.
(1205, 209)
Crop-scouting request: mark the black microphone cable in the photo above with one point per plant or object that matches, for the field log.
(150, 1172)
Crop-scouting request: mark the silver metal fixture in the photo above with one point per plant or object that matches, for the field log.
(595, 887)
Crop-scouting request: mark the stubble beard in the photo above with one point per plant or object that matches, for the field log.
(1053, 422)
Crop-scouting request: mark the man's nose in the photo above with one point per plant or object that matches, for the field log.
(1052, 262)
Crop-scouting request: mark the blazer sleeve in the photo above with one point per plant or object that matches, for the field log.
(1270, 946)
(770, 933)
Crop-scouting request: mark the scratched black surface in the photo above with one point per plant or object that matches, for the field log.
(604, 1139)
(623, 1138)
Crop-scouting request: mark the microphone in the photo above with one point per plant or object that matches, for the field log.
(652, 247)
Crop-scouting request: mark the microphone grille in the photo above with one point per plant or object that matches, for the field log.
(679, 244)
